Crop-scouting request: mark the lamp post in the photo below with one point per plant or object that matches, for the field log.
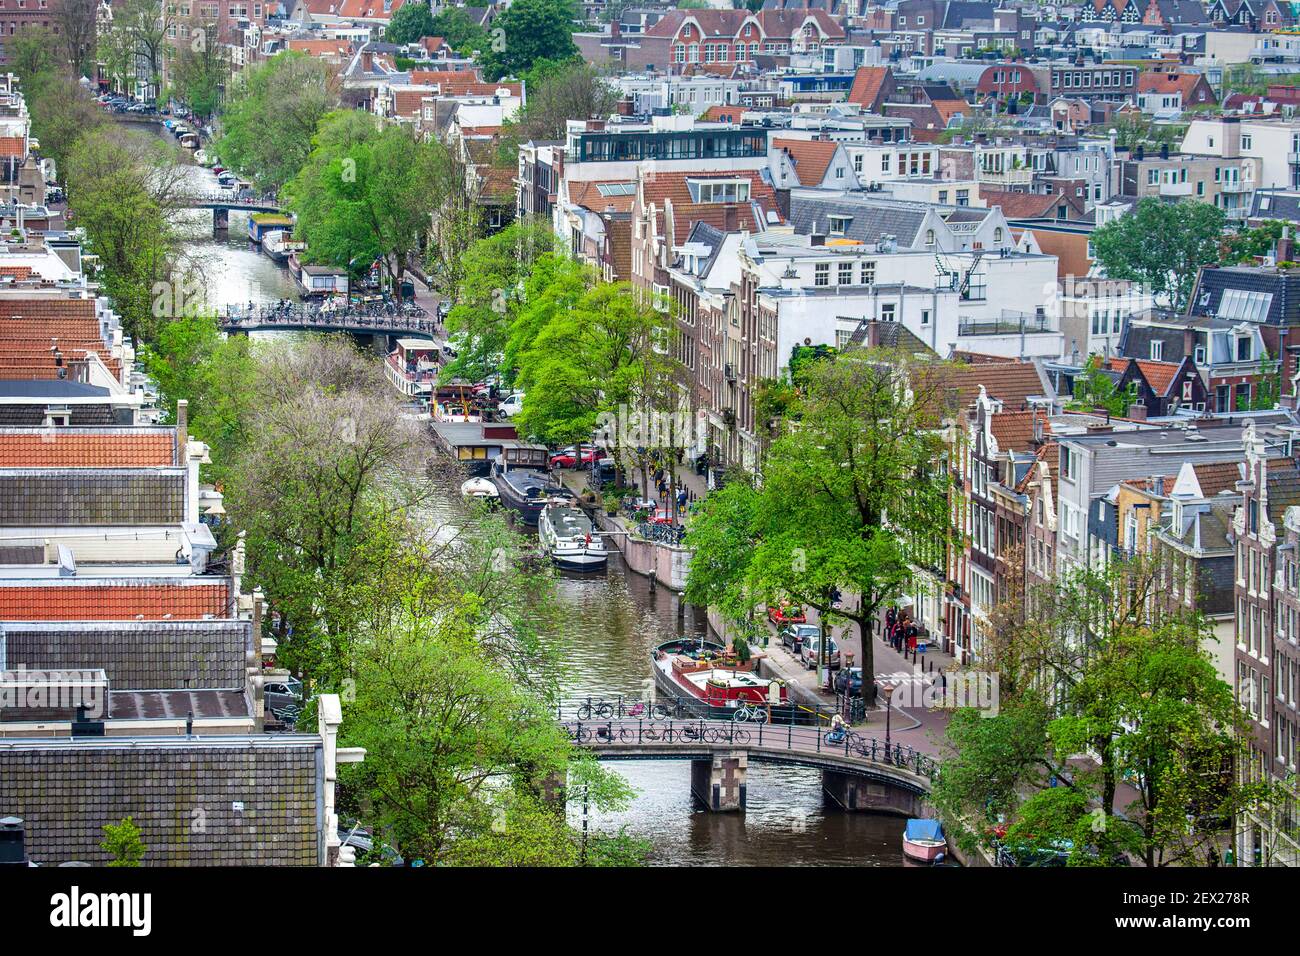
(889, 692)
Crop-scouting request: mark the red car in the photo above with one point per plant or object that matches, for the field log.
(568, 457)
(786, 614)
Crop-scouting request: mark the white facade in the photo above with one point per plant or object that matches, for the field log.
(1275, 143)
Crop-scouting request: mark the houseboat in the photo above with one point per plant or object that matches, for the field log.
(189, 140)
(279, 246)
(456, 410)
(477, 444)
(263, 224)
(319, 281)
(924, 842)
(567, 535)
(412, 368)
(698, 674)
(525, 490)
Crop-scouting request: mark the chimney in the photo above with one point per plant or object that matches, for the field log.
(1285, 246)
(1140, 153)
(614, 29)
(13, 842)
(1189, 341)
(1164, 150)
(730, 218)
(182, 428)
(1138, 412)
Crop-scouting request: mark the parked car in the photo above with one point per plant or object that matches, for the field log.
(282, 692)
(851, 678)
(786, 614)
(810, 649)
(795, 635)
(569, 457)
(511, 405)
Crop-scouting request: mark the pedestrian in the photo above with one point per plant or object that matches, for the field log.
(681, 499)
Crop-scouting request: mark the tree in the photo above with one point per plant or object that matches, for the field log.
(148, 22)
(1107, 664)
(561, 92)
(850, 498)
(590, 359)
(1245, 245)
(531, 31)
(117, 50)
(462, 34)
(77, 20)
(1162, 245)
(201, 70)
(1268, 387)
(122, 843)
(1096, 389)
(63, 112)
(367, 191)
(489, 294)
(411, 22)
(268, 123)
(124, 187)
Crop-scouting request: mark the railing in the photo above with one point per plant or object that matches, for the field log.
(673, 534)
(811, 742)
(387, 317)
(230, 199)
(1009, 324)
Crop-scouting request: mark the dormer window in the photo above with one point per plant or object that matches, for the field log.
(1243, 348)
(840, 225)
(720, 190)
(929, 237)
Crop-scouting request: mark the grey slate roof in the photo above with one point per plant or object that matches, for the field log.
(34, 414)
(135, 655)
(181, 793)
(41, 498)
(872, 218)
(49, 389)
(1276, 204)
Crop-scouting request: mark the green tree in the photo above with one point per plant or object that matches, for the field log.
(122, 843)
(411, 22)
(367, 191)
(850, 499)
(558, 92)
(201, 71)
(1245, 245)
(124, 188)
(489, 295)
(1162, 245)
(1268, 387)
(462, 34)
(532, 31)
(268, 123)
(1096, 389)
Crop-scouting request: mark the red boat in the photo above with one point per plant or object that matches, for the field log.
(713, 685)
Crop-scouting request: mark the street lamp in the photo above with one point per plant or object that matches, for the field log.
(889, 692)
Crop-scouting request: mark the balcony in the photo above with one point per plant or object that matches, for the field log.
(1234, 187)
(1011, 323)
(1006, 177)
(1293, 159)
(1177, 189)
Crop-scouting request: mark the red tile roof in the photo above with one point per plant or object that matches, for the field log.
(1013, 383)
(658, 186)
(461, 83)
(1014, 431)
(12, 147)
(811, 158)
(867, 83)
(723, 114)
(588, 196)
(31, 328)
(59, 448)
(1159, 375)
(118, 600)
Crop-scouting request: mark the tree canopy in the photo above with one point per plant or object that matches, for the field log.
(530, 31)
(1161, 245)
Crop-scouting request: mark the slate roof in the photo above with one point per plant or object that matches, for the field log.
(87, 448)
(1283, 488)
(1276, 204)
(34, 498)
(116, 599)
(871, 218)
(1283, 286)
(228, 801)
(137, 655)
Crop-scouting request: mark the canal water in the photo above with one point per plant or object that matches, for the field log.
(613, 620)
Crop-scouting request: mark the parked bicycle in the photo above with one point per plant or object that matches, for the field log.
(751, 713)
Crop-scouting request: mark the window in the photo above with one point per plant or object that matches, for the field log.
(840, 225)
(997, 234)
(1069, 463)
(868, 271)
(845, 273)
(925, 316)
(929, 237)
(887, 312)
(822, 274)
(1243, 348)
(1157, 351)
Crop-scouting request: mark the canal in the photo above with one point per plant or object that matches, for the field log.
(614, 620)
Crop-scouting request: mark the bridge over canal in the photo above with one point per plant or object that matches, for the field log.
(301, 319)
(858, 772)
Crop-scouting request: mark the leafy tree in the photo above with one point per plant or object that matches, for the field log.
(462, 34)
(592, 358)
(849, 500)
(1162, 245)
(123, 187)
(1245, 245)
(200, 71)
(216, 374)
(147, 22)
(558, 92)
(117, 51)
(490, 293)
(1268, 387)
(411, 22)
(1096, 389)
(63, 112)
(532, 30)
(367, 191)
(77, 21)
(123, 844)
(268, 124)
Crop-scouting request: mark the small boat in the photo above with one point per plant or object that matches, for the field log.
(924, 842)
(567, 535)
(695, 672)
(480, 489)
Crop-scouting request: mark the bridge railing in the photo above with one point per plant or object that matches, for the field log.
(219, 198)
(791, 738)
(410, 318)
